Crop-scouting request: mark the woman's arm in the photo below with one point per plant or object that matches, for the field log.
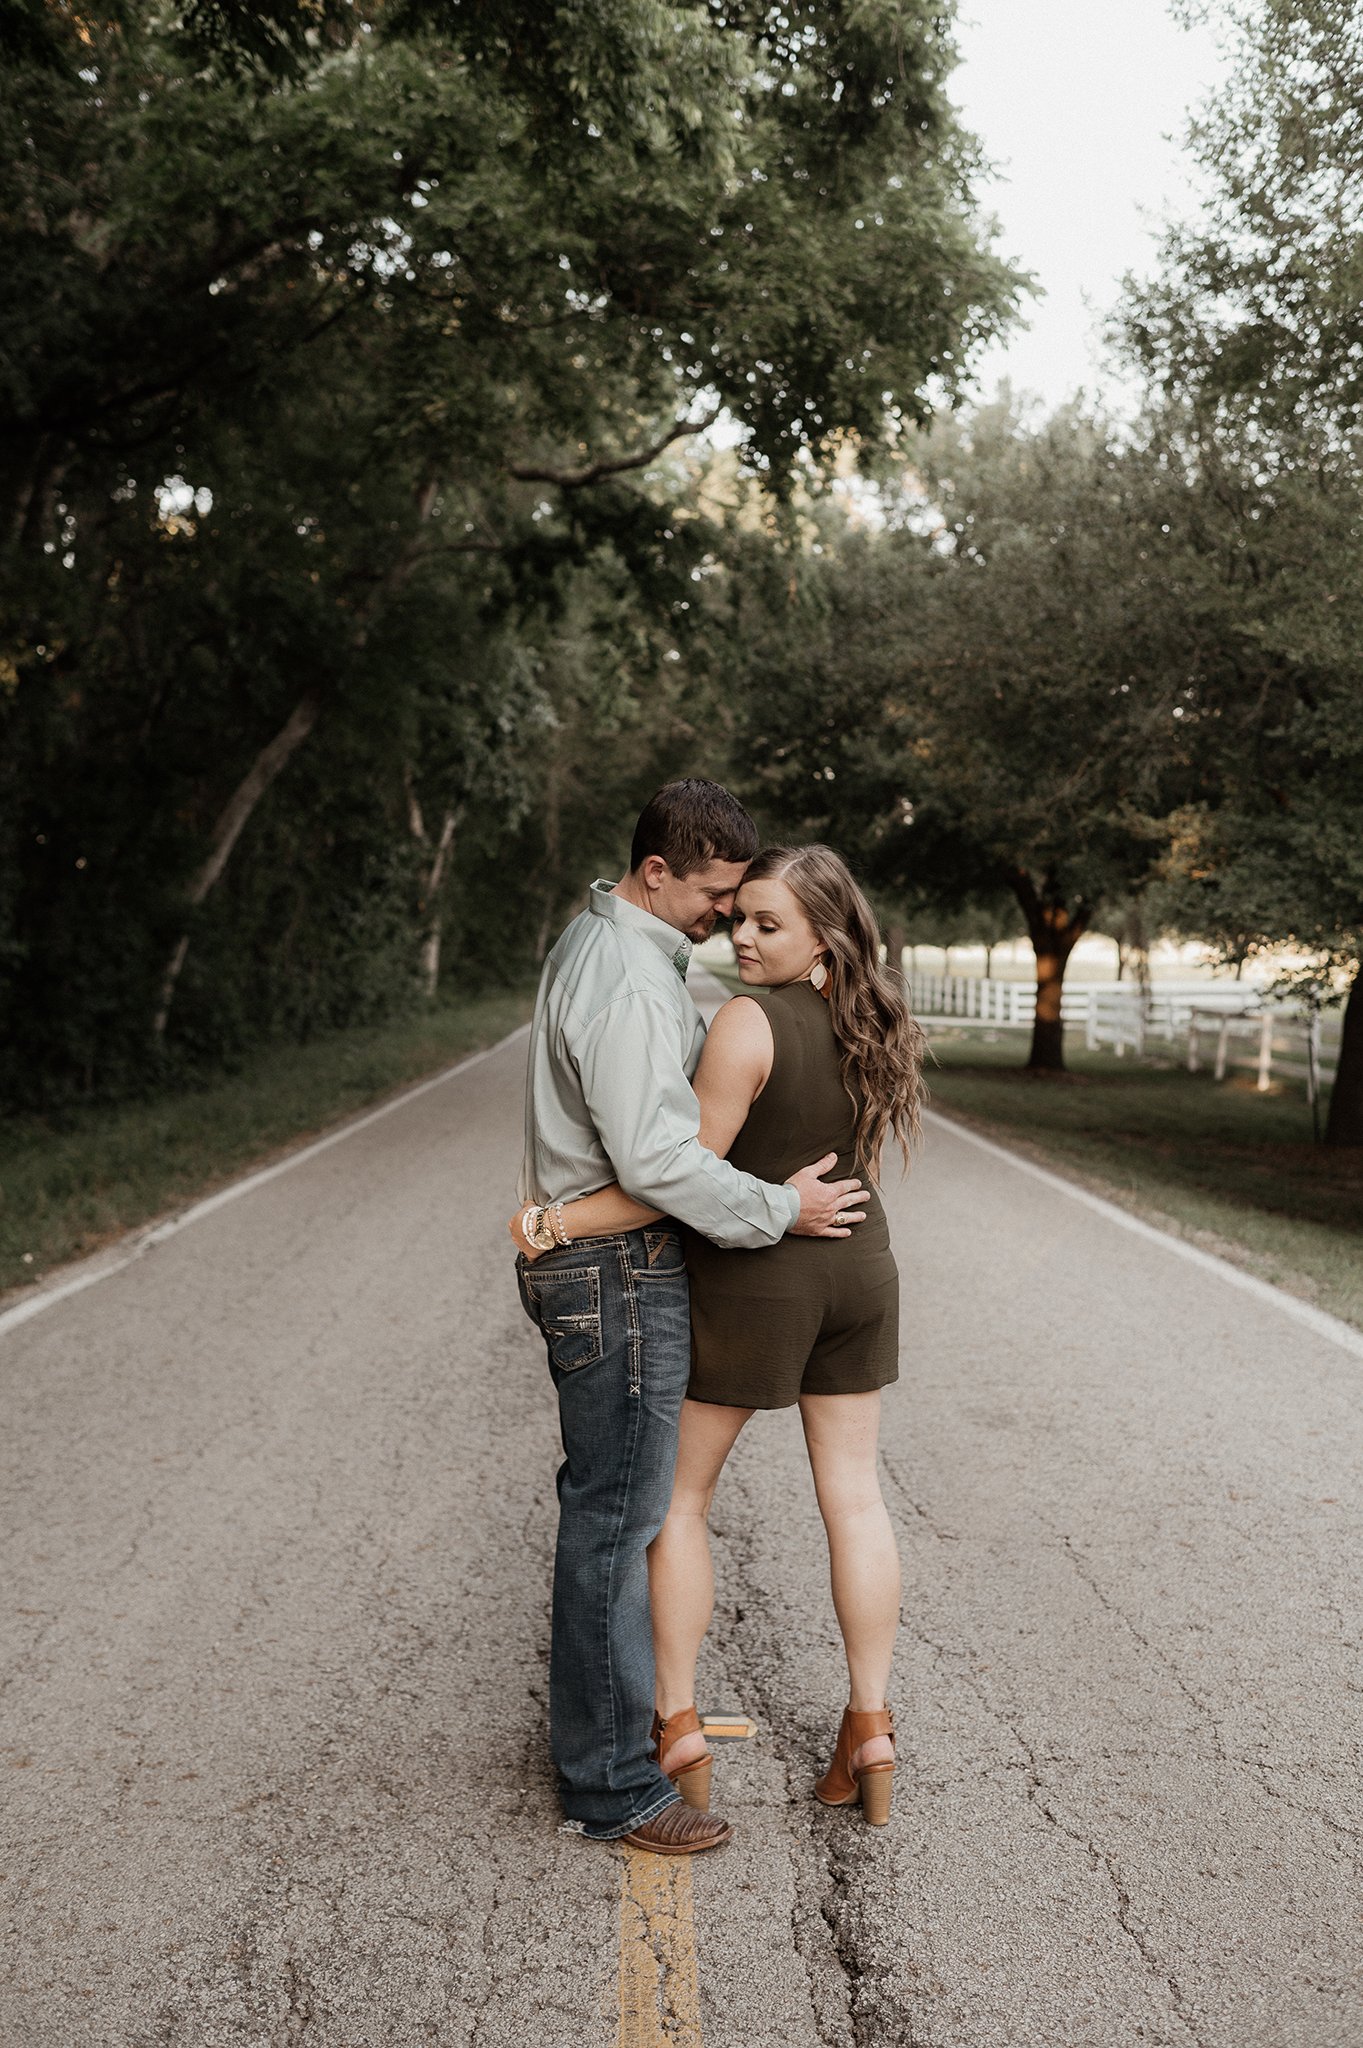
(735, 1066)
(733, 1071)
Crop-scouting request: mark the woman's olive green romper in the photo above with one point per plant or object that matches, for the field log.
(813, 1315)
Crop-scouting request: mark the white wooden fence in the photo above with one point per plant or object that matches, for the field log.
(1228, 1026)
(977, 999)
(1267, 1041)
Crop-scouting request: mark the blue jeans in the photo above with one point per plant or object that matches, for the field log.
(615, 1316)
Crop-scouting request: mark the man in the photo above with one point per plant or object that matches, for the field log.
(614, 1042)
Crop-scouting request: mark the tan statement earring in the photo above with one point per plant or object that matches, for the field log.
(818, 975)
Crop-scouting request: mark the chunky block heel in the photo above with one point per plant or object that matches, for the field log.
(877, 1789)
(693, 1782)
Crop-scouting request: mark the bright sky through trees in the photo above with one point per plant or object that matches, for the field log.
(1081, 106)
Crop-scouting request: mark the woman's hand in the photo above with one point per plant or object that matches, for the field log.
(529, 1251)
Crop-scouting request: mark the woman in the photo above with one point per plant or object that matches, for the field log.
(827, 1060)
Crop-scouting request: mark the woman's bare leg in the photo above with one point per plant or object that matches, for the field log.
(681, 1578)
(841, 1432)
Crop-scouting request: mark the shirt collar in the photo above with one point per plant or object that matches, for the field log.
(602, 899)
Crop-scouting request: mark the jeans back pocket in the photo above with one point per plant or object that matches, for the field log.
(567, 1306)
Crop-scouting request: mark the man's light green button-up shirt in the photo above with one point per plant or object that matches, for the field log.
(614, 1043)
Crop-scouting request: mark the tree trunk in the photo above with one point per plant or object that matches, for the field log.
(1047, 1053)
(268, 763)
(1054, 931)
(429, 905)
(894, 946)
(551, 813)
(1344, 1124)
(276, 755)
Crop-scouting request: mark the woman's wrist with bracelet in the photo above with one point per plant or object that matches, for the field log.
(543, 1226)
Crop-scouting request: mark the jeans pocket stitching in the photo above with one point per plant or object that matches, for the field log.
(561, 1322)
(655, 1243)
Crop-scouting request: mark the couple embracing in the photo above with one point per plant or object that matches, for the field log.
(702, 1238)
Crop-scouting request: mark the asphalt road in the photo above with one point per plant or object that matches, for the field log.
(277, 1533)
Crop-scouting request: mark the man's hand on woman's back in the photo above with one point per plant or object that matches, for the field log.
(826, 1206)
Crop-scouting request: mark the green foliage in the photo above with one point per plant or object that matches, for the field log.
(1249, 337)
(340, 350)
(981, 697)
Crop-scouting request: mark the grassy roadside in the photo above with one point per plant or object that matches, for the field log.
(68, 1185)
(1233, 1171)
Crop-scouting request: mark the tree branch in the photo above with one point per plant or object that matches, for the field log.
(575, 479)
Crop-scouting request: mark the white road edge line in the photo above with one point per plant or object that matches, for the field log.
(1315, 1319)
(102, 1265)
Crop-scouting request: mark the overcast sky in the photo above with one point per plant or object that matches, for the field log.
(1081, 105)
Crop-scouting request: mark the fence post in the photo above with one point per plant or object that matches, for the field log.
(1192, 1041)
(1222, 1038)
(1265, 1051)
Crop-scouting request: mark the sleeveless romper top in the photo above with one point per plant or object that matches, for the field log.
(811, 1315)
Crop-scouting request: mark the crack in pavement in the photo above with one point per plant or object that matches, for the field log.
(844, 1863)
(1262, 1772)
(299, 1993)
(832, 1931)
(1040, 1797)
(1259, 1768)
(1087, 1576)
(914, 1505)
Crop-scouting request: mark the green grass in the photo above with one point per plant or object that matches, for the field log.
(67, 1185)
(1218, 1163)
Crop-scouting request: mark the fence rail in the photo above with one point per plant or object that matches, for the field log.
(1265, 1040)
(1226, 1027)
(976, 999)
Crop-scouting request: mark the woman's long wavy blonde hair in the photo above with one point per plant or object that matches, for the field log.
(882, 1043)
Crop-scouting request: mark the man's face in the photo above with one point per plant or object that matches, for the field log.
(691, 903)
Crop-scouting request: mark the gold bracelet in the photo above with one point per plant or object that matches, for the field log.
(533, 1228)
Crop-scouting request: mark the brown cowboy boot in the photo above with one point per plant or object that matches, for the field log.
(679, 1831)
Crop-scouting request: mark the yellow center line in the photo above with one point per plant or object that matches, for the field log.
(659, 1988)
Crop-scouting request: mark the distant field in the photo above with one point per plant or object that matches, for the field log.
(68, 1185)
(1233, 1170)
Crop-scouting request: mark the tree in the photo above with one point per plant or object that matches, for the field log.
(985, 696)
(1249, 339)
(316, 344)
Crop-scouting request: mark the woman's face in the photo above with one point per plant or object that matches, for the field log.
(773, 939)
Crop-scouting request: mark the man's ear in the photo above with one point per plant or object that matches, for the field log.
(654, 871)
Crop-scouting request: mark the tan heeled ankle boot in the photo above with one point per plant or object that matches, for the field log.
(691, 1780)
(873, 1784)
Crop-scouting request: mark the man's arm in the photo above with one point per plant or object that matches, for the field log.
(648, 1120)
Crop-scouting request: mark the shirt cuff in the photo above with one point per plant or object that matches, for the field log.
(794, 1194)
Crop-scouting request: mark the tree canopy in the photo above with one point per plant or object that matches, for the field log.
(340, 363)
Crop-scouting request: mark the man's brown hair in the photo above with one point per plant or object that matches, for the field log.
(691, 823)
